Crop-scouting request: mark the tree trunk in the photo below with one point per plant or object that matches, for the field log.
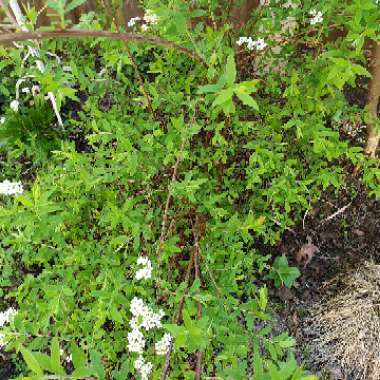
(373, 134)
(241, 12)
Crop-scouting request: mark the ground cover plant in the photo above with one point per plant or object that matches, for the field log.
(149, 166)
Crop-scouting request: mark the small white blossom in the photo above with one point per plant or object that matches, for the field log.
(162, 346)
(150, 17)
(14, 105)
(133, 21)
(146, 271)
(260, 44)
(2, 339)
(139, 362)
(69, 358)
(66, 69)
(242, 40)
(264, 2)
(10, 188)
(144, 316)
(316, 17)
(136, 341)
(145, 370)
(144, 27)
(25, 90)
(35, 90)
(7, 315)
(2, 120)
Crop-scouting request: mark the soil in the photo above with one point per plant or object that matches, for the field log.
(345, 228)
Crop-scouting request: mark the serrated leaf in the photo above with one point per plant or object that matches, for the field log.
(230, 73)
(224, 96)
(247, 100)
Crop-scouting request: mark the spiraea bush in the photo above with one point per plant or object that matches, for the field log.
(132, 248)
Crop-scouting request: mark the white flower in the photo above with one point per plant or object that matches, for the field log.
(317, 17)
(2, 120)
(162, 346)
(2, 339)
(242, 40)
(10, 188)
(150, 17)
(66, 69)
(69, 358)
(260, 44)
(136, 341)
(146, 271)
(145, 370)
(139, 362)
(14, 105)
(7, 315)
(35, 90)
(144, 27)
(133, 21)
(264, 2)
(25, 90)
(144, 316)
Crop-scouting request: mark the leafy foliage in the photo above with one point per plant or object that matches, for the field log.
(237, 157)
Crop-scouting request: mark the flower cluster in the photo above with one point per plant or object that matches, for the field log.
(162, 346)
(145, 318)
(145, 368)
(316, 17)
(150, 17)
(251, 44)
(5, 317)
(132, 22)
(146, 271)
(10, 188)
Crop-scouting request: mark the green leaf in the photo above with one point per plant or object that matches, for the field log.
(230, 73)
(247, 100)
(96, 363)
(31, 361)
(224, 96)
(79, 357)
(55, 360)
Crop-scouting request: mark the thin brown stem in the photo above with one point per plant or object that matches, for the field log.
(178, 316)
(71, 33)
(196, 232)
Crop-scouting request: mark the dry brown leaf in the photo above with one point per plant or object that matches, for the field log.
(306, 253)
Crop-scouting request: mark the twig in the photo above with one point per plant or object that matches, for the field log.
(164, 221)
(72, 33)
(340, 211)
(196, 229)
(165, 369)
